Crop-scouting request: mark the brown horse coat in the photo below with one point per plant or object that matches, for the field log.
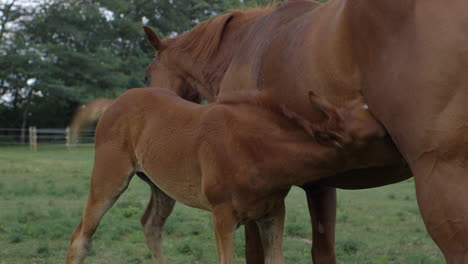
(236, 158)
(286, 51)
(409, 59)
(271, 50)
(418, 88)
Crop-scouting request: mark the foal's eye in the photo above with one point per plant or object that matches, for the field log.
(146, 80)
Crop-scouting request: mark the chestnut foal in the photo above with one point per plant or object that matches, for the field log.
(237, 158)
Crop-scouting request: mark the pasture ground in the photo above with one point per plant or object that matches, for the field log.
(42, 196)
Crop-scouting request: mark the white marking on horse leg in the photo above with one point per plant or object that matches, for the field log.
(321, 229)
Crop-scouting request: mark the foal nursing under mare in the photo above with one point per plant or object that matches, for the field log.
(407, 59)
(270, 49)
(237, 158)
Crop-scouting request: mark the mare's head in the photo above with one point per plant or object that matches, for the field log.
(165, 70)
(180, 63)
(197, 59)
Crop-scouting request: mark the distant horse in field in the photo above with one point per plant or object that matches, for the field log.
(408, 59)
(237, 158)
(284, 50)
(85, 115)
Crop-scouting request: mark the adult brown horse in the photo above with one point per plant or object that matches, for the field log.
(408, 58)
(195, 154)
(295, 45)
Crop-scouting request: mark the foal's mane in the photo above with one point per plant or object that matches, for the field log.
(203, 40)
(258, 99)
(326, 132)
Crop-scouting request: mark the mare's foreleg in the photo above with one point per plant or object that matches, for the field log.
(322, 208)
(159, 208)
(442, 193)
(271, 231)
(111, 175)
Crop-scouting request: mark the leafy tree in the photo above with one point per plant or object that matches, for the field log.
(79, 50)
(9, 12)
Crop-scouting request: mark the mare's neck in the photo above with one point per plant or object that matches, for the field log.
(374, 25)
(207, 75)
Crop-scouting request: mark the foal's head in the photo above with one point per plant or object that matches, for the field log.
(329, 130)
(351, 126)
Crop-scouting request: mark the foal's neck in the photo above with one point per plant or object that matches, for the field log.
(310, 161)
(290, 156)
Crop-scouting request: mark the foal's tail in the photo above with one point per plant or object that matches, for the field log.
(87, 114)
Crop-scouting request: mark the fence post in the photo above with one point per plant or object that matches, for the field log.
(67, 138)
(22, 134)
(34, 139)
(30, 139)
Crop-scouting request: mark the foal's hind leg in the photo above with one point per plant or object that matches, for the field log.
(159, 208)
(271, 232)
(111, 175)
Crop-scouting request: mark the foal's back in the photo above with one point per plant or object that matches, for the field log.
(137, 111)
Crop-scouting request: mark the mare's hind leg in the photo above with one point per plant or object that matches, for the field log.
(253, 244)
(322, 209)
(271, 232)
(159, 208)
(111, 175)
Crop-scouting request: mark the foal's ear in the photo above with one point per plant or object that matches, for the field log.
(329, 130)
(153, 39)
(323, 106)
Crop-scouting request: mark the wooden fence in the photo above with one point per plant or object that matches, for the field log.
(43, 136)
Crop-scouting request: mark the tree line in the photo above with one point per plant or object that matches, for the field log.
(56, 55)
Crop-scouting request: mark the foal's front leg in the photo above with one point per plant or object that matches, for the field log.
(159, 208)
(224, 226)
(271, 231)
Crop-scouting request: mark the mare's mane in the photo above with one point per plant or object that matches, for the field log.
(203, 40)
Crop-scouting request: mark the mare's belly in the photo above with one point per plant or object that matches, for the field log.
(368, 177)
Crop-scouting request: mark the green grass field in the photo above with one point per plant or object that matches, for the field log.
(42, 196)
